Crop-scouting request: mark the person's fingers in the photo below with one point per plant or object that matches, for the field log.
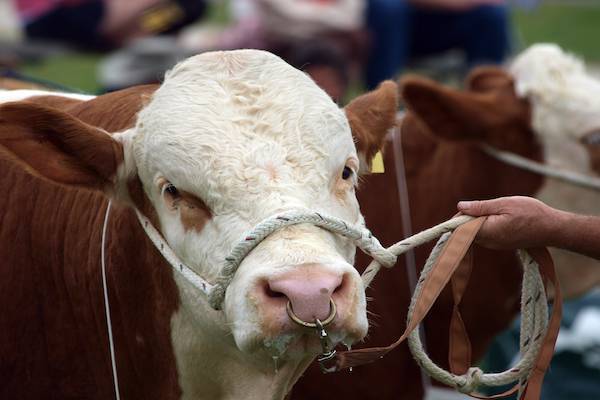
(479, 208)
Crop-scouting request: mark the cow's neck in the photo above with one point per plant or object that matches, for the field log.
(210, 366)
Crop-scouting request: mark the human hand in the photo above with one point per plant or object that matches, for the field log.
(513, 222)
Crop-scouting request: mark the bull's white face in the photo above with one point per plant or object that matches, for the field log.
(229, 139)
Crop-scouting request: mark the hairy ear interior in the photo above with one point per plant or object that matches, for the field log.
(59, 147)
(371, 116)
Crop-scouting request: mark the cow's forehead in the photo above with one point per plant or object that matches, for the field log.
(244, 118)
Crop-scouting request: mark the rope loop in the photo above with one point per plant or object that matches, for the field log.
(470, 381)
(534, 324)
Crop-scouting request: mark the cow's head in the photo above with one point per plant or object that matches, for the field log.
(487, 111)
(565, 102)
(229, 139)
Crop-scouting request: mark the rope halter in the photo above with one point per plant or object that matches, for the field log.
(360, 236)
(534, 307)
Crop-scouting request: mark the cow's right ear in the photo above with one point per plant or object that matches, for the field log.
(448, 113)
(59, 147)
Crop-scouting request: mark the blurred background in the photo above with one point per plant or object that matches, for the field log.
(95, 46)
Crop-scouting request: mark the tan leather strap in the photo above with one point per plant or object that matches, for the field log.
(533, 387)
(459, 352)
(455, 262)
(449, 259)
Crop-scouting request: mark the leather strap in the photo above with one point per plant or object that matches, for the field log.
(459, 354)
(449, 259)
(455, 263)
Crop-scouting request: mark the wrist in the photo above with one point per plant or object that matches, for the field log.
(557, 231)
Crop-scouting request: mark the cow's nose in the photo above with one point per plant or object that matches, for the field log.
(309, 292)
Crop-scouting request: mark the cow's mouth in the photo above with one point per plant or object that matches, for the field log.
(296, 345)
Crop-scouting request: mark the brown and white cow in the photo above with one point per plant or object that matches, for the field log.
(545, 106)
(444, 163)
(227, 140)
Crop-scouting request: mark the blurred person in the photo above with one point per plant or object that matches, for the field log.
(524, 222)
(325, 38)
(404, 29)
(103, 24)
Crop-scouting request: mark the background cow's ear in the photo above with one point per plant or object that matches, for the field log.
(371, 116)
(486, 78)
(59, 147)
(448, 113)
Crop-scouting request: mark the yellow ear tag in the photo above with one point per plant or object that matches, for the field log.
(377, 164)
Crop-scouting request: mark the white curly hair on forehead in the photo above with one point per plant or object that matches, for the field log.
(221, 118)
(565, 98)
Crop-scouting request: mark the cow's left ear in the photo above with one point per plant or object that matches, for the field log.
(59, 147)
(371, 116)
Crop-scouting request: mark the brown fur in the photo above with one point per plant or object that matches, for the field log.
(444, 165)
(371, 116)
(194, 212)
(58, 102)
(50, 283)
(58, 146)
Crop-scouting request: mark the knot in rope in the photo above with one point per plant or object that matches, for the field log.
(370, 245)
(470, 381)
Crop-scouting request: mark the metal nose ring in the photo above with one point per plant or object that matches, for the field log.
(313, 325)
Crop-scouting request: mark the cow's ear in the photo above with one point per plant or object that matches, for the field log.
(487, 78)
(448, 113)
(371, 116)
(59, 147)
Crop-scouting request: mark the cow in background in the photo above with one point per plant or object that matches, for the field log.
(440, 135)
(545, 106)
(228, 139)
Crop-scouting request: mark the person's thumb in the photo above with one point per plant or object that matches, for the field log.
(475, 208)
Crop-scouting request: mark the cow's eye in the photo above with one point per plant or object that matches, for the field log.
(171, 190)
(347, 173)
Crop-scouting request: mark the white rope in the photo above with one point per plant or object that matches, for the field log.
(534, 307)
(534, 316)
(179, 266)
(515, 160)
(111, 343)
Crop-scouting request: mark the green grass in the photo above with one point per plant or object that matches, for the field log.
(76, 70)
(574, 27)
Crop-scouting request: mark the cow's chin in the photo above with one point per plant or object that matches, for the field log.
(290, 346)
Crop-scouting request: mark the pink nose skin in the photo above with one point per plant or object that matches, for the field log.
(309, 291)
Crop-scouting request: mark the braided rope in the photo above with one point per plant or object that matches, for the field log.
(534, 315)
(361, 236)
(534, 307)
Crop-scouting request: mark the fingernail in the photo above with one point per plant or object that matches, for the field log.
(464, 205)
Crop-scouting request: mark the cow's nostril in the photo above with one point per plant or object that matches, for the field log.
(309, 290)
(341, 287)
(273, 293)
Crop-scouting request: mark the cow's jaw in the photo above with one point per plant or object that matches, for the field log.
(211, 367)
